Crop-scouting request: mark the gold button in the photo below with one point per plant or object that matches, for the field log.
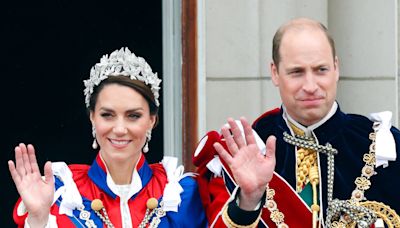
(152, 203)
(97, 205)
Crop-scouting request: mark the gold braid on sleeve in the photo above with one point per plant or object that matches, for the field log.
(229, 223)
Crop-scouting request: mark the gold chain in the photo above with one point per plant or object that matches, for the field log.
(363, 183)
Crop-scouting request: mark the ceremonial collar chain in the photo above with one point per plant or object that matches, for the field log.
(275, 215)
(153, 208)
(353, 211)
(122, 63)
(154, 212)
(308, 143)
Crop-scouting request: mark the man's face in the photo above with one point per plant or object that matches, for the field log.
(307, 75)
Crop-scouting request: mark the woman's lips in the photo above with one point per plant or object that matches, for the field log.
(119, 143)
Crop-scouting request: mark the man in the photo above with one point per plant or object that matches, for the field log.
(331, 168)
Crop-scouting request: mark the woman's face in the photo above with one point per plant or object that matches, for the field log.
(121, 117)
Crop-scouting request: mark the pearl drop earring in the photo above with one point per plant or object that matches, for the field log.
(94, 144)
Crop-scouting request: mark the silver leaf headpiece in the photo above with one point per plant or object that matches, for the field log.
(122, 62)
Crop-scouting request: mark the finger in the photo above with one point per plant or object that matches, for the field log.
(230, 143)
(248, 131)
(19, 161)
(25, 158)
(237, 133)
(48, 173)
(32, 159)
(223, 153)
(271, 147)
(14, 174)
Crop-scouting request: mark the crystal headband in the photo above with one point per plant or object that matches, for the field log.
(122, 62)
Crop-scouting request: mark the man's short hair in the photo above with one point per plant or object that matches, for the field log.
(300, 23)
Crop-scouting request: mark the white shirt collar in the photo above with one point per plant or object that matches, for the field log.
(134, 187)
(310, 128)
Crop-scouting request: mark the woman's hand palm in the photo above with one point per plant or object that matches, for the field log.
(36, 192)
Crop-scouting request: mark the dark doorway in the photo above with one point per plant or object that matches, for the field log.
(47, 51)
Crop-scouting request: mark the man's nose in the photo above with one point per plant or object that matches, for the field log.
(310, 83)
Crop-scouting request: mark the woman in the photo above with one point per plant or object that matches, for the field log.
(120, 189)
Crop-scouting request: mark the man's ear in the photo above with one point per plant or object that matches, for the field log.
(337, 72)
(274, 74)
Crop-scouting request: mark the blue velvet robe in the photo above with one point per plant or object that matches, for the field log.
(348, 133)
